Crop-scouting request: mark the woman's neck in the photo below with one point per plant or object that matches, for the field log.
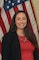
(20, 32)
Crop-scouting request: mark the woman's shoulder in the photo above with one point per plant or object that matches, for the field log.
(9, 35)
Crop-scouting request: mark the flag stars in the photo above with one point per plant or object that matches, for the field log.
(7, 7)
(8, 4)
(12, 4)
(5, 0)
(9, 1)
(18, 1)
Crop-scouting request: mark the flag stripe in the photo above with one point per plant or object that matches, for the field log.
(11, 11)
(15, 8)
(5, 20)
(33, 12)
(24, 7)
(2, 25)
(1, 33)
(32, 9)
(8, 17)
(20, 7)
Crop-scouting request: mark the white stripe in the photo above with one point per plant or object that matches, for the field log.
(1, 39)
(30, 13)
(5, 20)
(0, 56)
(20, 7)
(32, 19)
(1, 33)
(1, 3)
(11, 11)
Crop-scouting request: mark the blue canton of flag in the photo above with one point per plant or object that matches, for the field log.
(8, 4)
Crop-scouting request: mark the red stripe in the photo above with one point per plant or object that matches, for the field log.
(2, 25)
(25, 9)
(32, 9)
(33, 12)
(8, 17)
(15, 8)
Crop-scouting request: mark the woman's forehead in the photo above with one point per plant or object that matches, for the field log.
(20, 14)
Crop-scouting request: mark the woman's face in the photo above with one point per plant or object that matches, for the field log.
(20, 20)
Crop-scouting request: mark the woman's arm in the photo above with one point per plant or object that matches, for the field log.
(5, 48)
(36, 57)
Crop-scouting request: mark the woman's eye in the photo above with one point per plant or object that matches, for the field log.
(18, 18)
(21, 18)
(24, 18)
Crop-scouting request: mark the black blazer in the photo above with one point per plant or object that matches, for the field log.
(11, 47)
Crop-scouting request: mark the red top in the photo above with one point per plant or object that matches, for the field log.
(27, 48)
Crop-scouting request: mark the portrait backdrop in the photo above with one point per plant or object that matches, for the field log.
(7, 10)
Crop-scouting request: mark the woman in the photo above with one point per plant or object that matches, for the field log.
(19, 43)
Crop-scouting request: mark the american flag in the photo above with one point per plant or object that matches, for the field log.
(6, 14)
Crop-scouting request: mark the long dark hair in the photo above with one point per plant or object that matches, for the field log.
(28, 33)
